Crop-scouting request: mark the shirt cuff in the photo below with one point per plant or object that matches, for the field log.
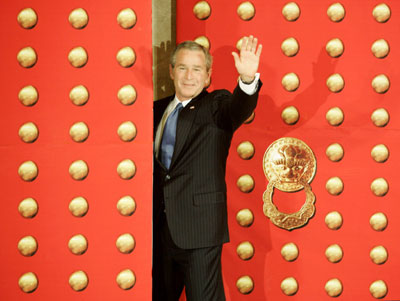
(251, 88)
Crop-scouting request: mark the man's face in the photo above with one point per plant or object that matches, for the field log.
(190, 73)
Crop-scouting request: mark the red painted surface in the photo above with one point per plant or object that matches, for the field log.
(357, 135)
(53, 152)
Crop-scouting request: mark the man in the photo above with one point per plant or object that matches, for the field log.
(193, 132)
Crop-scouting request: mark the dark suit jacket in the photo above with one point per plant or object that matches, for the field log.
(193, 190)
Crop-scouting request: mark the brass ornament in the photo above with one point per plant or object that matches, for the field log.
(245, 285)
(334, 253)
(290, 82)
(381, 13)
(127, 131)
(290, 115)
(28, 208)
(379, 187)
(378, 255)
(27, 57)
(380, 83)
(245, 150)
(245, 217)
(291, 11)
(28, 95)
(202, 10)
(78, 57)
(334, 152)
(334, 220)
(126, 279)
(245, 250)
(380, 117)
(378, 221)
(293, 220)
(336, 12)
(378, 289)
(334, 47)
(290, 47)
(126, 18)
(125, 243)
(126, 169)
(335, 83)
(334, 287)
(380, 153)
(380, 48)
(78, 170)
(290, 252)
(78, 244)
(27, 246)
(78, 281)
(78, 18)
(289, 165)
(28, 171)
(79, 95)
(28, 132)
(289, 286)
(126, 206)
(334, 186)
(127, 95)
(246, 11)
(245, 183)
(78, 207)
(239, 44)
(28, 282)
(335, 116)
(126, 57)
(203, 41)
(79, 131)
(27, 18)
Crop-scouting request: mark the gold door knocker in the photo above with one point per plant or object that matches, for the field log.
(289, 165)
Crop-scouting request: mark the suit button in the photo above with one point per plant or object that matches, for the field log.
(167, 177)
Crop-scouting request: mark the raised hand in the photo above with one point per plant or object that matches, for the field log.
(247, 61)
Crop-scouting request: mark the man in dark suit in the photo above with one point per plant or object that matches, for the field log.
(193, 132)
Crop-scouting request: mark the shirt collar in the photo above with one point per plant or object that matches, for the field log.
(184, 103)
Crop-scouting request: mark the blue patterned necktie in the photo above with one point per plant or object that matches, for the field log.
(169, 136)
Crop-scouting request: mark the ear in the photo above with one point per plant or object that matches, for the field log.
(209, 72)
(171, 72)
(208, 80)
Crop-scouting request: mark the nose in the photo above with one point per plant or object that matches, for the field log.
(188, 74)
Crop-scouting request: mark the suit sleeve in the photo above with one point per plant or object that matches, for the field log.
(231, 110)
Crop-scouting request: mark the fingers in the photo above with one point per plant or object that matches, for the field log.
(244, 44)
(250, 44)
(253, 44)
(259, 49)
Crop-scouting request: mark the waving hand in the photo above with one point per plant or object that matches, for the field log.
(247, 61)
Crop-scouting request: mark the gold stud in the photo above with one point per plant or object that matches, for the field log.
(28, 282)
(27, 18)
(78, 18)
(78, 281)
(289, 286)
(291, 11)
(126, 18)
(202, 10)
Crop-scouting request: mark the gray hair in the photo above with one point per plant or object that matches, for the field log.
(191, 45)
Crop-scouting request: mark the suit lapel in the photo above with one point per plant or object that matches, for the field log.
(159, 108)
(185, 121)
(158, 111)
